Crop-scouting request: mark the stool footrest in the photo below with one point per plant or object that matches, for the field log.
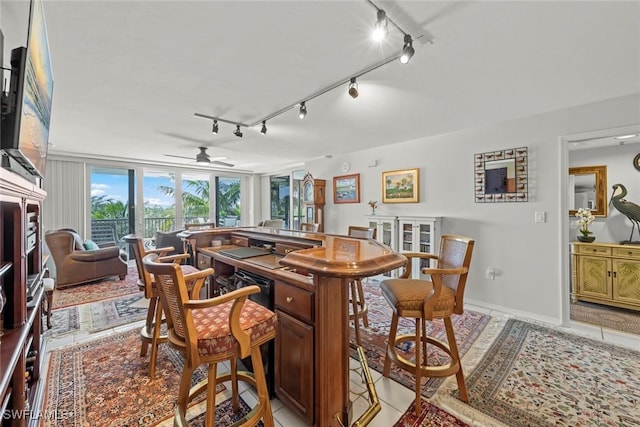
(429, 371)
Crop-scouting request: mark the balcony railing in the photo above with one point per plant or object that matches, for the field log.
(150, 225)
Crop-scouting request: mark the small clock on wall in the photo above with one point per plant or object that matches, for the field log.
(636, 161)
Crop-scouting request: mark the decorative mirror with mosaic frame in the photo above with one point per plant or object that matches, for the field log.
(501, 176)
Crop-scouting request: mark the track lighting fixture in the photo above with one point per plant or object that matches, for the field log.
(381, 30)
(353, 88)
(214, 129)
(407, 49)
(381, 27)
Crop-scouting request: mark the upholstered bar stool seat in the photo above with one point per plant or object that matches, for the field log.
(426, 300)
(211, 331)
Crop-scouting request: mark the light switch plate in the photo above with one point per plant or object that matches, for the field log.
(540, 217)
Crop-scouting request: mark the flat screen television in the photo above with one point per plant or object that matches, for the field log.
(25, 128)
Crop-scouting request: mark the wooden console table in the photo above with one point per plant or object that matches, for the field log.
(606, 273)
(310, 272)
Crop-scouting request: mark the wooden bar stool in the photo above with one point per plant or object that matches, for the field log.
(424, 300)
(359, 309)
(150, 334)
(211, 331)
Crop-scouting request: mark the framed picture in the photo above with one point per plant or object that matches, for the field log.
(401, 186)
(346, 188)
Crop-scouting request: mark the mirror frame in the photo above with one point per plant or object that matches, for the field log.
(601, 187)
(520, 158)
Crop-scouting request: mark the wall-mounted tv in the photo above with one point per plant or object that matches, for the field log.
(25, 128)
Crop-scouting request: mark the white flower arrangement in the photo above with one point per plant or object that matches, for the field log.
(585, 218)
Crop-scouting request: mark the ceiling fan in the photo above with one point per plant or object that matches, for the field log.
(203, 158)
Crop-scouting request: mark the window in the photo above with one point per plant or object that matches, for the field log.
(227, 201)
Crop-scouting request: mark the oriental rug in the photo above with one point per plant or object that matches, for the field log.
(616, 318)
(467, 326)
(430, 416)
(97, 291)
(63, 322)
(537, 376)
(105, 382)
(116, 312)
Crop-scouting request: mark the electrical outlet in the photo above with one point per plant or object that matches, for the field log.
(540, 217)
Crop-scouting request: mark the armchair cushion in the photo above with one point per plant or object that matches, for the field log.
(90, 245)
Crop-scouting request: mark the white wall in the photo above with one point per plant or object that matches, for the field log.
(528, 255)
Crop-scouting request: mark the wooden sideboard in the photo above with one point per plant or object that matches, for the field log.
(21, 272)
(606, 273)
(310, 274)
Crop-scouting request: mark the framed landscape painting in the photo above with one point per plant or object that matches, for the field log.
(346, 188)
(401, 186)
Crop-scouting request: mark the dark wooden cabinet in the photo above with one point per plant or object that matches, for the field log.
(294, 365)
(21, 275)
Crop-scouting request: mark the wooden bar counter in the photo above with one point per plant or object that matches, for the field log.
(310, 274)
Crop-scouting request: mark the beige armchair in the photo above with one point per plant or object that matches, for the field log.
(75, 265)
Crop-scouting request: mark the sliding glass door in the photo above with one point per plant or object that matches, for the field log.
(112, 203)
(159, 195)
(227, 201)
(280, 198)
(195, 198)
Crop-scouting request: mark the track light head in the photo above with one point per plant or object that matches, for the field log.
(214, 129)
(381, 26)
(407, 49)
(353, 88)
(303, 110)
(264, 127)
(237, 132)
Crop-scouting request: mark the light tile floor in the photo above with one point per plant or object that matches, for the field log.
(394, 398)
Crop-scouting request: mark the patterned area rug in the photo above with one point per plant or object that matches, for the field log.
(374, 338)
(115, 312)
(82, 392)
(607, 317)
(96, 291)
(224, 413)
(63, 322)
(537, 376)
(429, 416)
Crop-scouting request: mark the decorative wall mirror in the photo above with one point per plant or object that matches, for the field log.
(588, 189)
(501, 176)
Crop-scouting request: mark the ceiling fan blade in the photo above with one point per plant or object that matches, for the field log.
(218, 162)
(180, 157)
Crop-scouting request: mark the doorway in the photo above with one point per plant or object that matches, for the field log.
(615, 149)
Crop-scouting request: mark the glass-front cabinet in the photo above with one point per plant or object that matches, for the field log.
(386, 229)
(419, 234)
(386, 232)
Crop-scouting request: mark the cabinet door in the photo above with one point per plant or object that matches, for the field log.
(626, 281)
(594, 277)
(416, 236)
(294, 365)
(387, 233)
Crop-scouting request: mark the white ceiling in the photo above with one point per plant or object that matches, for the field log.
(130, 75)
